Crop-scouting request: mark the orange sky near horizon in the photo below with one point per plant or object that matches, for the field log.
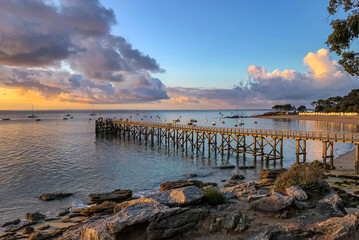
(18, 99)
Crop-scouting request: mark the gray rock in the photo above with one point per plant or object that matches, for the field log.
(243, 191)
(34, 216)
(337, 228)
(163, 198)
(104, 208)
(63, 213)
(274, 203)
(96, 230)
(65, 219)
(235, 221)
(172, 225)
(13, 229)
(28, 230)
(54, 196)
(115, 196)
(14, 222)
(187, 195)
(137, 213)
(179, 184)
(43, 227)
(38, 236)
(297, 192)
(331, 205)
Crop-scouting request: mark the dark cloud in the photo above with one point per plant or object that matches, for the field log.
(37, 33)
(39, 37)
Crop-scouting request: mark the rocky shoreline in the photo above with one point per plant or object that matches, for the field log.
(191, 209)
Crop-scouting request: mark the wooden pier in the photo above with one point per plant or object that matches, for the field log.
(261, 143)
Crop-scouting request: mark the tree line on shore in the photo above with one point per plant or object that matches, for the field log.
(348, 103)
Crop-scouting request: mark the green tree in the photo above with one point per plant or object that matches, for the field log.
(278, 107)
(345, 31)
(302, 108)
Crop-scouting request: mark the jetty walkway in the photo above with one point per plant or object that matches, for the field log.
(263, 143)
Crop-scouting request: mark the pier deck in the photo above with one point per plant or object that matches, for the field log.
(264, 143)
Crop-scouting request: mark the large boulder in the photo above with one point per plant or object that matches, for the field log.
(115, 196)
(338, 228)
(182, 221)
(180, 183)
(274, 203)
(297, 192)
(187, 195)
(136, 214)
(331, 205)
(119, 207)
(54, 196)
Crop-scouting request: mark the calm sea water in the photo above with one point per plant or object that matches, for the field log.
(55, 155)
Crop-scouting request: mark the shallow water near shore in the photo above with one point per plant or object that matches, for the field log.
(56, 155)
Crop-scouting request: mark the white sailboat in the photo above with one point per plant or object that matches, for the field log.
(33, 115)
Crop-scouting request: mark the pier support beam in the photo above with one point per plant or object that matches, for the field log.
(356, 158)
(301, 149)
(328, 145)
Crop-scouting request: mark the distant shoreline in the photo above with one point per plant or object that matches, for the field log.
(335, 119)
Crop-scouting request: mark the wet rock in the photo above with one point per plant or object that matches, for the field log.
(65, 219)
(6, 235)
(274, 203)
(43, 227)
(235, 221)
(63, 213)
(54, 196)
(34, 216)
(37, 236)
(223, 180)
(226, 167)
(14, 222)
(13, 229)
(104, 208)
(190, 175)
(338, 228)
(246, 167)
(297, 192)
(180, 183)
(115, 196)
(331, 205)
(28, 223)
(237, 177)
(28, 230)
(187, 195)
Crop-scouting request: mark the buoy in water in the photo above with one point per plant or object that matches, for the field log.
(236, 125)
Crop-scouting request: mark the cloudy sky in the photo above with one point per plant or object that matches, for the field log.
(156, 54)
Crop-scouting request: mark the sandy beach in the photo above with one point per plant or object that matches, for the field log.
(336, 119)
(346, 162)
